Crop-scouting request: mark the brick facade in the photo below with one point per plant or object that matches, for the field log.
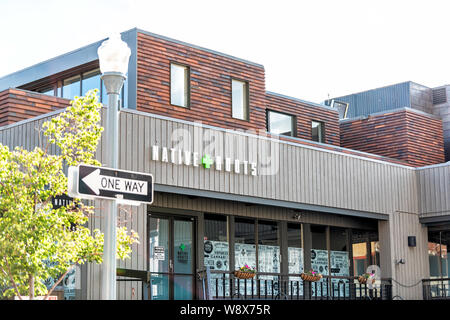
(306, 113)
(17, 105)
(210, 90)
(210, 84)
(406, 135)
(403, 137)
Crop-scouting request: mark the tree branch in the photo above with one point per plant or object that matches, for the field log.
(59, 280)
(11, 279)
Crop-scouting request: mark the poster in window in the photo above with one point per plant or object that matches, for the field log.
(216, 255)
(245, 254)
(340, 266)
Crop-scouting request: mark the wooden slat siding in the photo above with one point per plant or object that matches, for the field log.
(171, 201)
(405, 135)
(425, 139)
(305, 114)
(17, 105)
(434, 184)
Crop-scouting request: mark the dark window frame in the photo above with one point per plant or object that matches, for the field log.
(188, 82)
(322, 125)
(294, 122)
(247, 98)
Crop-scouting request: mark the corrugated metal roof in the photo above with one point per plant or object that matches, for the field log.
(377, 100)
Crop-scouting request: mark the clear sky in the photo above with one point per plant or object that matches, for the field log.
(310, 49)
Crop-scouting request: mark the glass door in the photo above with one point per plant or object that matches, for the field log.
(171, 258)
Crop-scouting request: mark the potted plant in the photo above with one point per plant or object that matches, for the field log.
(311, 275)
(245, 272)
(363, 279)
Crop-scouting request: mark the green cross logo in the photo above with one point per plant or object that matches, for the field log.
(182, 246)
(207, 161)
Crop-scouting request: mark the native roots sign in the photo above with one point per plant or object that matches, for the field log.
(189, 158)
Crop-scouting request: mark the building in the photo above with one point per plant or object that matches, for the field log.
(246, 176)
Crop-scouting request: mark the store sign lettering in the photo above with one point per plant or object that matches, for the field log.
(189, 158)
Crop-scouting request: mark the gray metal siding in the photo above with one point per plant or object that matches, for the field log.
(393, 237)
(306, 175)
(377, 100)
(73, 59)
(434, 184)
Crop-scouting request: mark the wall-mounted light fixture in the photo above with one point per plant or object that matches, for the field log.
(411, 241)
(400, 261)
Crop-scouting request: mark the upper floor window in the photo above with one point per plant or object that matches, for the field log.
(239, 97)
(318, 131)
(280, 123)
(90, 80)
(71, 87)
(179, 85)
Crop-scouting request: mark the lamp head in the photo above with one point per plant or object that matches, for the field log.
(114, 55)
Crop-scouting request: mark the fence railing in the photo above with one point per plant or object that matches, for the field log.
(224, 285)
(436, 289)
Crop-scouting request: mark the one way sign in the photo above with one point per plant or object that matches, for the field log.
(90, 182)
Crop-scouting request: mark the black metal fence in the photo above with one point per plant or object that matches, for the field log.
(224, 285)
(436, 289)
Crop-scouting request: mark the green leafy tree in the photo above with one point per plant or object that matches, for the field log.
(37, 241)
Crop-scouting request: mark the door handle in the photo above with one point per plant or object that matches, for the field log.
(170, 265)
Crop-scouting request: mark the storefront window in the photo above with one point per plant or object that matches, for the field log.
(216, 253)
(245, 249)
(360, 252)
(159, 258)
(268, 254)
(295, 257)
(375, 252)
(439, 263)
(245, 246)
(319, 253)
(339, 260)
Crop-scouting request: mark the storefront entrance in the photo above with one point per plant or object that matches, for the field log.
(171, 257)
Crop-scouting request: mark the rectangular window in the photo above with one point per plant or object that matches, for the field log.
(90, 80)
(179, 85)
(216, 253)
(239, 97)
(280, 123)
(318, 131)
(245, 251)
(319, 253)
(71, 87)
(339, 260)
(268, 247)
(295, 257)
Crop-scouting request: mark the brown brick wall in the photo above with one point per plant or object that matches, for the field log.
(210, 102)
(210, 75)
(405, 135)
(305, 113)
(17, 105)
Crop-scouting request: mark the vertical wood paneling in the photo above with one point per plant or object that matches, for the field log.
(305, 175)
